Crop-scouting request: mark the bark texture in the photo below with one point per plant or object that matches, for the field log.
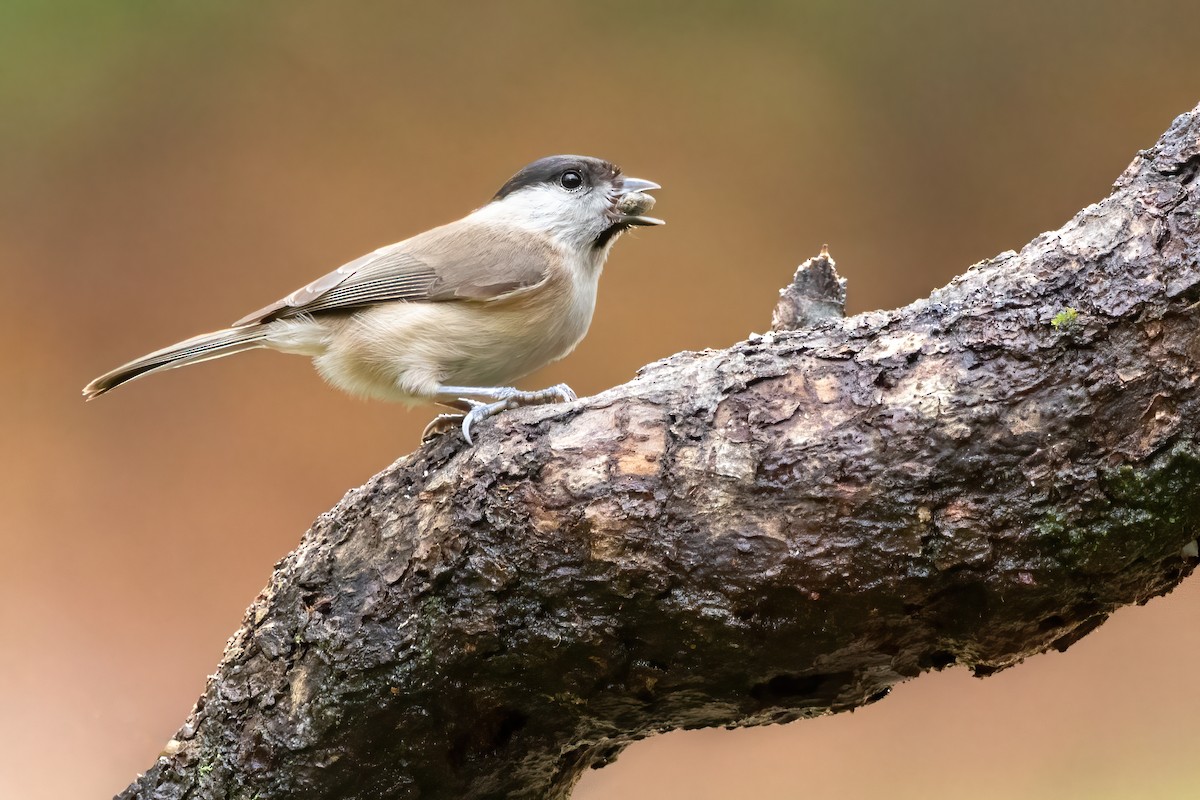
(779, 530)
(816, 292)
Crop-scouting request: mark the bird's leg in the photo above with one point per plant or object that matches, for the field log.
(502, 397)
(559, 393)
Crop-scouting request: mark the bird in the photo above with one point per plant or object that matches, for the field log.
(453, 315)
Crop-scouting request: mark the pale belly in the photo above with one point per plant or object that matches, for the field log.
(404, 351)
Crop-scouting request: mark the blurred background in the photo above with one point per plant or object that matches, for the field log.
(167, 167)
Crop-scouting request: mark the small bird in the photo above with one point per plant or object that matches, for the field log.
(456, 313)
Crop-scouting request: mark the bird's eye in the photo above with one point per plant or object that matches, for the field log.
(570, 180)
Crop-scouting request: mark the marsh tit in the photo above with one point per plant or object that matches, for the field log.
(453, 315)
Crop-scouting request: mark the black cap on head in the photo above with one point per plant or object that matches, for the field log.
(550, 170)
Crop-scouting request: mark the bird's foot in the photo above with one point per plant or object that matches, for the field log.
(558, 393)
(507, 398)
(481, 411)
(440, 424)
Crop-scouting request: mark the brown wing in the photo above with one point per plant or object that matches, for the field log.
(459, 261)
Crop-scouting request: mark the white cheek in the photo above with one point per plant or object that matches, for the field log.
(572, 219)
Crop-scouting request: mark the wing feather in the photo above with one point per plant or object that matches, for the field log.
(462, 261)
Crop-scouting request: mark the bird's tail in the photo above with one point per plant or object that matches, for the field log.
(190, 351)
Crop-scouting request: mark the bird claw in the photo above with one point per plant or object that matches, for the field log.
(565, 393)
(481, 411)
(506, 399)
(439, 425)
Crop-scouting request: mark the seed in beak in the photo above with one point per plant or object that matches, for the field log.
(635, 203)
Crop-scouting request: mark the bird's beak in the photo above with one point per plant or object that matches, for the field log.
(637, 185)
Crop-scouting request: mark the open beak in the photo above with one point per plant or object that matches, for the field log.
(630, 186)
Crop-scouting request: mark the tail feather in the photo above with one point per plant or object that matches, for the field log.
(190, 351)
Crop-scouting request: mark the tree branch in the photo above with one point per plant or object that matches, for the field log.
(779, 530)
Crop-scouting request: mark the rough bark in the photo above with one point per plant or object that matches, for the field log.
(779, 530)
(816, 292)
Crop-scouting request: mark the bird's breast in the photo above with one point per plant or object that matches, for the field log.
(531, 330)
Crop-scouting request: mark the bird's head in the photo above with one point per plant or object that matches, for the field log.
(581, 202)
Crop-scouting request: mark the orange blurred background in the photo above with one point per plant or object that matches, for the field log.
(168, 167)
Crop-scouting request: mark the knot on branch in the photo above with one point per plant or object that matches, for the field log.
(816, 292)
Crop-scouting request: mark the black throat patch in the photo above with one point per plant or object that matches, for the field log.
(609, 233)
